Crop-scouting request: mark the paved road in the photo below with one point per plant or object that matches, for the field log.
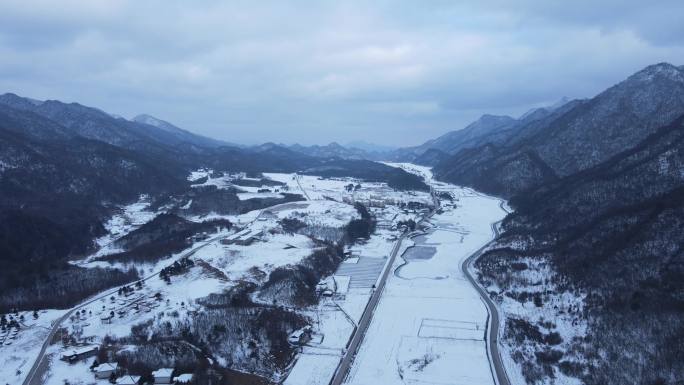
(364, 322)
(40, 365)
(367, 316)
(301, 188)
(499, 373)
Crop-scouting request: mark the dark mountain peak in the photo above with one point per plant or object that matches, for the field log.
(73, 107)
(268, 146)
(369, 147)
(535, 114)
(148, 119)
(576, 136)
(654, 94)
(156, 122)
(16, 101)
(658, 71)
(541, 112)
(560, 103)
(489, 118)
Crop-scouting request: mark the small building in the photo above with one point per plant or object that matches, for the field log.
(104, 371)
(106, 318)
(184, 378)
(300, 337)
(128, 380)
(77, 354)
(163, 376)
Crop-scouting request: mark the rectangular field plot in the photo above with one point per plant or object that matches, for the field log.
(424, 361)
(457, 330)
(364, 273)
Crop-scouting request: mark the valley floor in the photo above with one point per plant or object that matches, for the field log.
(430, 325)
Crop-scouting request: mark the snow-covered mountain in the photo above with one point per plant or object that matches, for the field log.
(487, 129)
(573, 137)
(334, 150)
(598, 192)
(179, 133)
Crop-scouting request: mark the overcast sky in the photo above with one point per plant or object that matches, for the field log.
(389, 72)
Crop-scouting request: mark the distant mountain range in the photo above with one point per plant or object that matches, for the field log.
(335, 150)
(487, 129)
(576, 136)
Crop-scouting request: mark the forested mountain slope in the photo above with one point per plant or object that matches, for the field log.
(65, 167)
(598, 192)
(615, 232)
(574, 137)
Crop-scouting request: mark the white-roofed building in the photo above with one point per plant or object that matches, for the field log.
(73, 355)
(128, 380)
(184, 378)
(104, 371)
(163, 376)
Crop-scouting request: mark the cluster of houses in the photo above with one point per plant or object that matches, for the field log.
(161, 376)
(372, 201)
(112, 371)
(243, 238)
(136, 305)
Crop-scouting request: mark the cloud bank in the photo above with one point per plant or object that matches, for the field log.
(391, 72)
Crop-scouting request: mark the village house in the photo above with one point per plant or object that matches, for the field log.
(163, 376)
(184, 378)
(128, 380)
(300, 337)
(77, 354)
(104, 371)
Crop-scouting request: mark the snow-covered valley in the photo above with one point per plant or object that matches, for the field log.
(430, 324)
(181, 290)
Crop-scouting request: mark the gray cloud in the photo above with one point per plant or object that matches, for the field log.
(393, 72)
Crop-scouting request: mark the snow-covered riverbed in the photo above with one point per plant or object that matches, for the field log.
(430, 324)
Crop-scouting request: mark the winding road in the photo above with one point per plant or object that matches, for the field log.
(494, 355)
(492, 340)
(40, 365)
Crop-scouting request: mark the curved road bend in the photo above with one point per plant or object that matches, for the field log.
(40, 365)
(501, 378)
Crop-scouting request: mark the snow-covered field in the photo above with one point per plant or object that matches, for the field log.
(335, 318)
(18, 350)
(430, 323)
(254, 247)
